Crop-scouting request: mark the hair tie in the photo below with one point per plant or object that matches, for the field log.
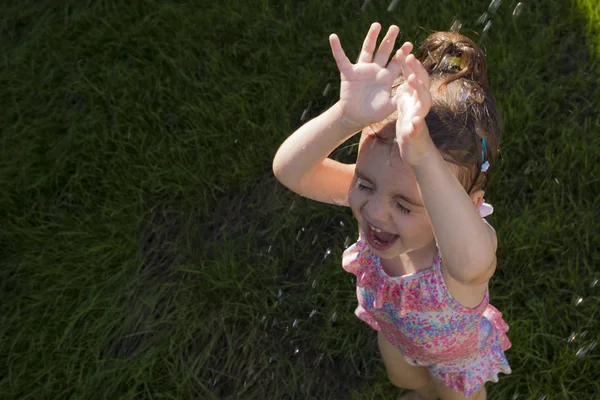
(485, 165)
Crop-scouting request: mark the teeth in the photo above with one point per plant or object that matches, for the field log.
(375, 229)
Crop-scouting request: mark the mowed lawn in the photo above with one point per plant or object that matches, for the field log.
(148, 252)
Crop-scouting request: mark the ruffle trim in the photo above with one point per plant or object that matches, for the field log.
(468, 380)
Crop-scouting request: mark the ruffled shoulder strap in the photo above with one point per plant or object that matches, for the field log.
(357, 257)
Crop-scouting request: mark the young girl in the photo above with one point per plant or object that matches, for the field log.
(424, 256)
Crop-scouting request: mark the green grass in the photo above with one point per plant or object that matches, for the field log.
(148, 252)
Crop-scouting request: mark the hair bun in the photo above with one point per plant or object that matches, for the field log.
(454, 55)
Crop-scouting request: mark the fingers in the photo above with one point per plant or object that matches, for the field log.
(395, 65)
(340, 57)
(420, 95)
(386, 46)
(366, 54)
(417, 68)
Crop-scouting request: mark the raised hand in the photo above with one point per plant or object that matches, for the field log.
(366, 86)
(413, 100)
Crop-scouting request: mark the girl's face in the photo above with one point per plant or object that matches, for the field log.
(385, 196)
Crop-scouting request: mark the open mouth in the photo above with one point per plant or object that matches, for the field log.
(379, 239)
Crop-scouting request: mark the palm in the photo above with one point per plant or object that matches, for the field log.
(365, 92)
(366, 85)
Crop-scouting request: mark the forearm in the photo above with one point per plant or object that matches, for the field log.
(465, 241)
(308, 146)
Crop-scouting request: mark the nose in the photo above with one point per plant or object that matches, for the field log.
(377, 210)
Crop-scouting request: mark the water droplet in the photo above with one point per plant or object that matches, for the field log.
(347, 242)
(270, 360)
(295, 324)
(342, 224)
(235, 141)
(314, 239)
(518, 10)
(319, 359)
(304, 115)
(581, 352)
(494, 4)
(296, 351)
(572, 337)
(299, 233)
(487, 26)
(326, 89)
(557, 181)
(578, 301)
(269, 250)
(334, 316)
(482, 18)
(392, 5)
(456, 25)
(280, 293)
(327, 254)
(314, 283)
(592, 345)
(365, 5)
(594, 283)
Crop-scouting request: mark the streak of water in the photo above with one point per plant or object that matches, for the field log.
(347, 242)
(518, 10)
(482, 18)
(456, 25)
(494, 5)
(487, 26)
(392, 5)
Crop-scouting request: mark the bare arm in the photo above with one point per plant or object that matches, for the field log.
(301, 163)
(466, 242)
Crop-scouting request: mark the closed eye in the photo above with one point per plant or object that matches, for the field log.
(363, 187)
(402, 209)
(399, 206)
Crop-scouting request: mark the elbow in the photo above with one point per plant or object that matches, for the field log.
(479, 273)
(280, 172)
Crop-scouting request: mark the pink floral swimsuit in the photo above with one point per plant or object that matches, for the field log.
(464, 347)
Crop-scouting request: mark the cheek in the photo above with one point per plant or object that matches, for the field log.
(411, 226)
